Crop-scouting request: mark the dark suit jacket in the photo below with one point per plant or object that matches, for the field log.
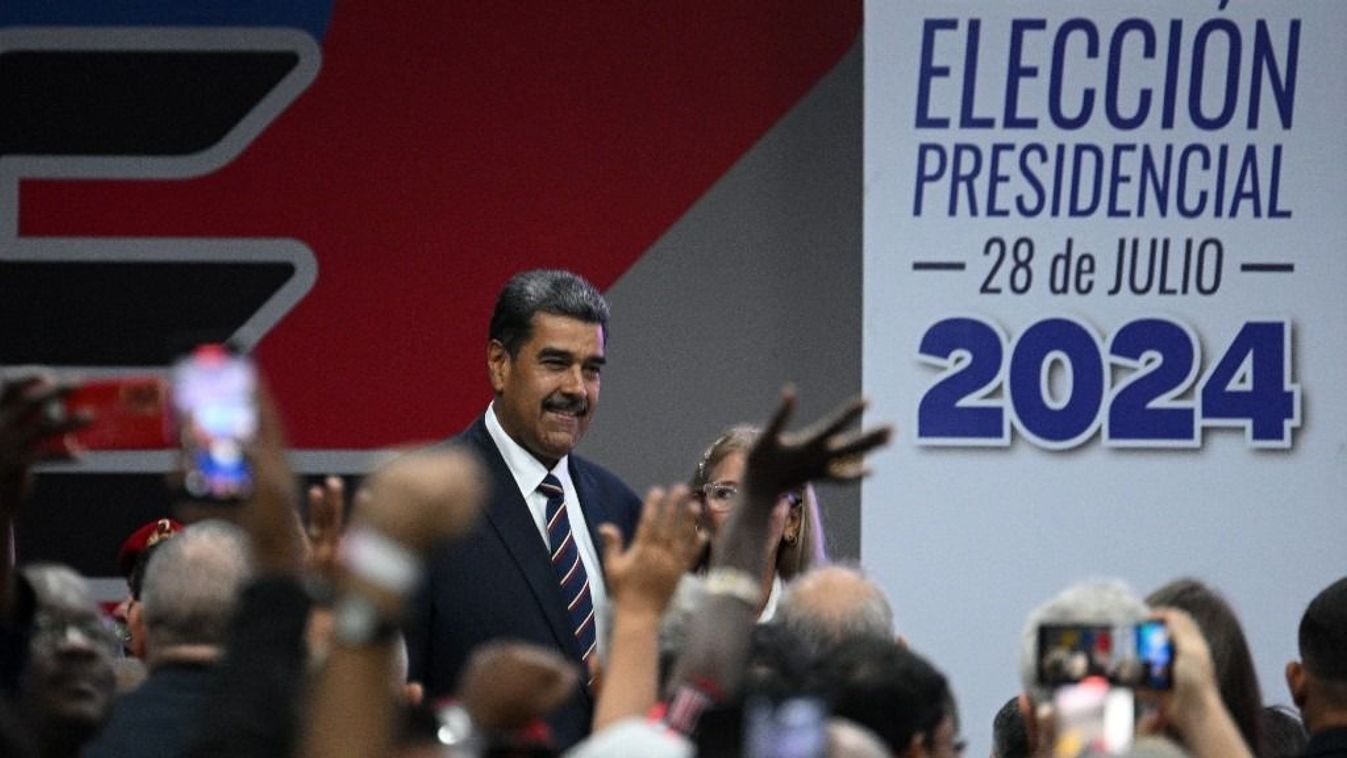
(158, 717)
(1326, 744)
(497, 582)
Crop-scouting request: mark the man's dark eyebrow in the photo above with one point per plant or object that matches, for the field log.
(566, 355)
(555, 352)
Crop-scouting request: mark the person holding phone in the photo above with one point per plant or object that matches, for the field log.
(1190, 708)
(530, 570)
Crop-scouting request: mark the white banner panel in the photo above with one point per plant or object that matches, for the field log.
(1106, 303)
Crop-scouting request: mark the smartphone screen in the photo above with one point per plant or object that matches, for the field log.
(796, 728)
(1155, 651)
(214, 396)
(127, 413)
(1069, 653)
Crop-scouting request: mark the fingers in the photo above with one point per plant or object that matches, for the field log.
(674, 510)
(666, 514)
(612, 543)
(31, 412)
(847, 456)
(651, 513)
(326, 508)
(15, 389)
(781, 417)
(840, 418)
(24, 400)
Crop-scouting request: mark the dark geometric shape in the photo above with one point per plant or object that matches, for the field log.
(68, 102)
(81, 519)
(130, 313)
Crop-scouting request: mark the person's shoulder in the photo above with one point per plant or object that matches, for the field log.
(474, 433)
(602, 478)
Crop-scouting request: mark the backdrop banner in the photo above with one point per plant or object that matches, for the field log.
(1104, 281)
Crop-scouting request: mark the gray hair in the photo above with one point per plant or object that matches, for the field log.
(687, 601)
(191, 585)
(1107, 602)
(58, 584)
(833, 604)
(553, 291)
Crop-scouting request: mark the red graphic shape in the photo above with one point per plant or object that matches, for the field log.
(445, 146)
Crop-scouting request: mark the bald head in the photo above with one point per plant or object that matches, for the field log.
(191, 584)
(833, 604)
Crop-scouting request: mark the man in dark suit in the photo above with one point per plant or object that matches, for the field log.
(530, 570)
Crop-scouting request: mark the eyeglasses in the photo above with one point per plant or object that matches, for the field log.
(719, 496)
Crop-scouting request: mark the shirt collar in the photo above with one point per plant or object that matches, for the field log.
(528, 472)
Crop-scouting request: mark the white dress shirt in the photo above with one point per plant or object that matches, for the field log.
(528, 473)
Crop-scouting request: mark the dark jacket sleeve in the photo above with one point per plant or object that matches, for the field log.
(14, 636)
(253, 705)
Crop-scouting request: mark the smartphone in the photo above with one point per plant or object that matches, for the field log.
(1132, 655)
(1155, 653)
(796, 728)
(214, 396)
(127, 413)
(1071, 653)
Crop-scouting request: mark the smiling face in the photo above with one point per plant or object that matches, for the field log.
(68, 684)
(547, 393)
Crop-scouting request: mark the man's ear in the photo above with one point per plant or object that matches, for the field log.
(497, 365)
(135, 622)
(916, 748)
(1296, 682)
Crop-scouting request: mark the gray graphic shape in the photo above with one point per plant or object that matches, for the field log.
(757, 285)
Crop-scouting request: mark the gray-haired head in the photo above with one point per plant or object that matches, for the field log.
(1106, 602)
(191, 585)
(67, 687)
(687, 601)
(560, 293)
(833, 604)
(58, 584)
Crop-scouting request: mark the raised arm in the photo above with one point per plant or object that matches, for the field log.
(718, 641)
(412, 505)
(641, 579)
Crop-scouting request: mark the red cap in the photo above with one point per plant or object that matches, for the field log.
(141, 540)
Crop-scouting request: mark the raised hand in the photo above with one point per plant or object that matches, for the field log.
(270, 513)
(24, 423)
(821, 451)
(327, 517)
(643, 577)
(423, 498)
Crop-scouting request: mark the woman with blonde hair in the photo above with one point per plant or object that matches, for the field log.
(796, 543)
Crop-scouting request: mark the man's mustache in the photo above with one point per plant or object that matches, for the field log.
(576, 404)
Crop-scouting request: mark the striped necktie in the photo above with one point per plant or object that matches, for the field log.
(570, 570)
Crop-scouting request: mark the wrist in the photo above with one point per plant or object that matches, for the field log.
(360, 619)
(640, 617)
(376, 559)
(734, 582)
(1203, 710)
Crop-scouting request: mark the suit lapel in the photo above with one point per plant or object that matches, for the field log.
(509, 516)
(590, 503)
